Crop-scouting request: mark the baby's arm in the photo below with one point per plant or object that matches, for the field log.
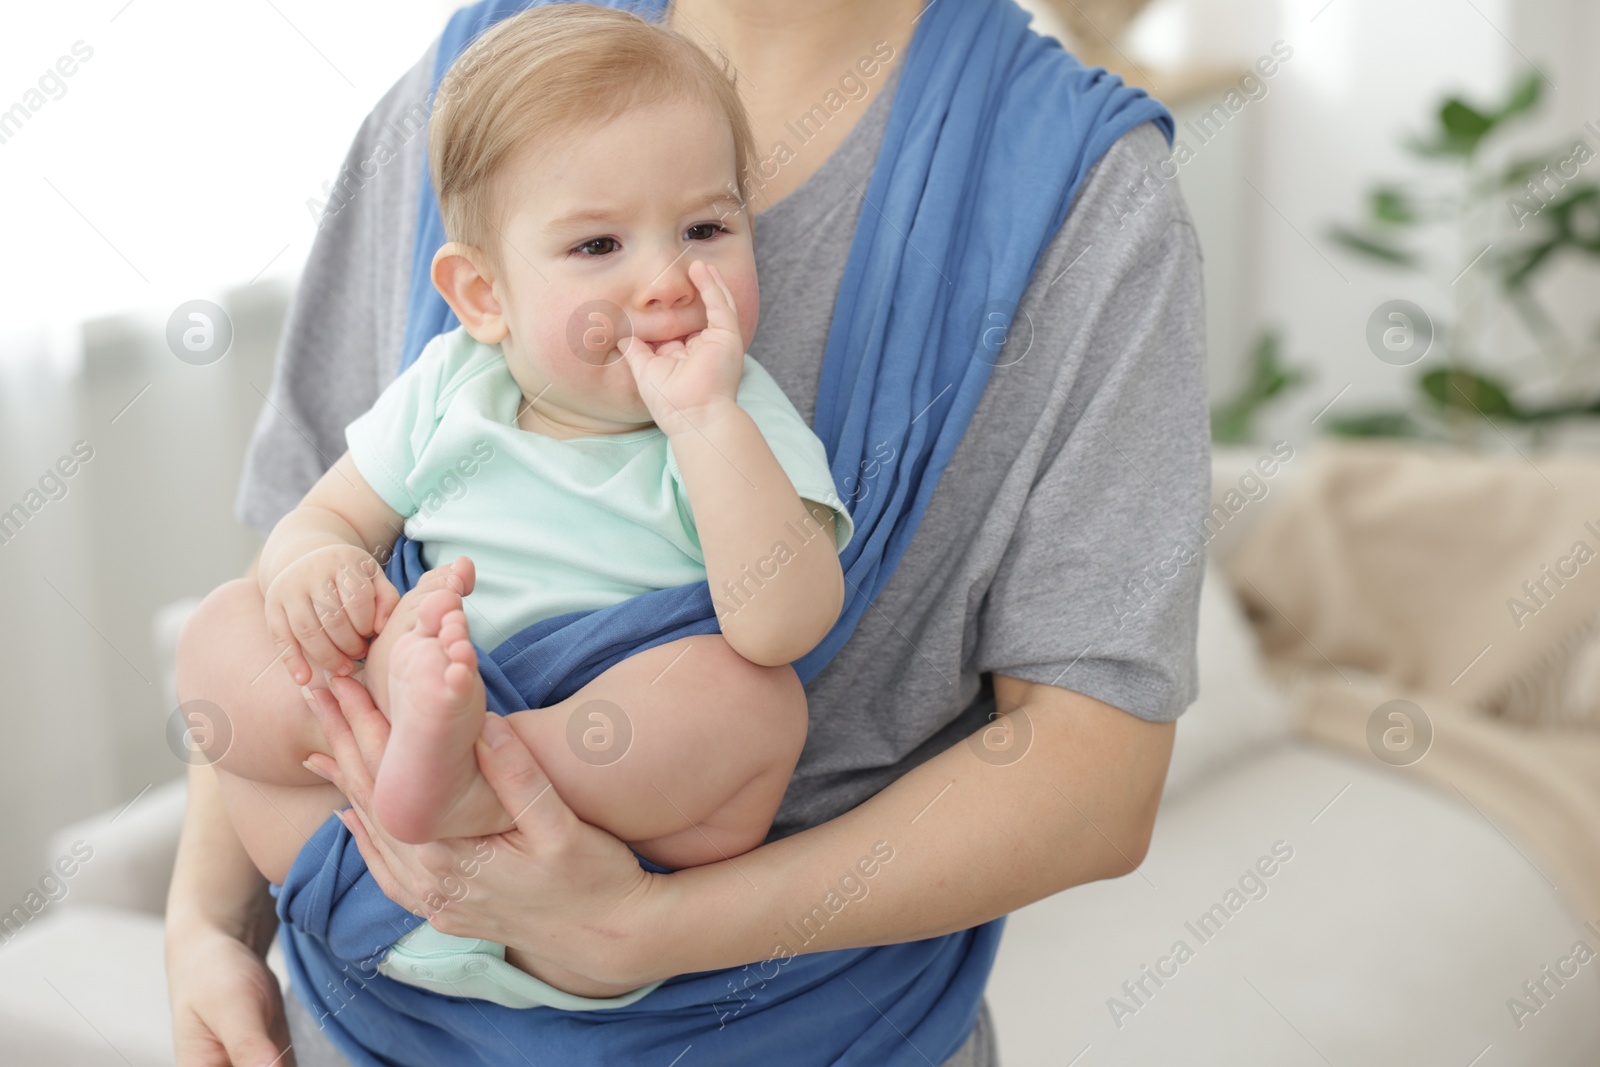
(760, 538)
(321, 572)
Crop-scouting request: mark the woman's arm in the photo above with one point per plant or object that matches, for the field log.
(1078, 806)
(226, 1006)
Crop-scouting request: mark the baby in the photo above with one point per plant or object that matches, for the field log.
(593, 430)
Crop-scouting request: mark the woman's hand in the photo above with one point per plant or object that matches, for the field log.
(554, 889)
(226, 1007)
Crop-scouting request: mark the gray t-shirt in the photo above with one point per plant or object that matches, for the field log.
(1047, 549)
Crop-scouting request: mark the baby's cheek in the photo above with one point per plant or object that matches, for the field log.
(569, 336)
(601, 324)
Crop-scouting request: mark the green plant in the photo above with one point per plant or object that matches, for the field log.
(1556, 211)
(1233, 421)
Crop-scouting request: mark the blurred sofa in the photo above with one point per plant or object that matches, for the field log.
(1299, 904)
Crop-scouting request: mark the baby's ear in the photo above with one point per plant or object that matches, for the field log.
(465, 280)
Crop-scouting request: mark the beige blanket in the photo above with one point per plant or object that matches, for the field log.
(1470, 586)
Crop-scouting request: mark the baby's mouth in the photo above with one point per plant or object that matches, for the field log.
(685, 338)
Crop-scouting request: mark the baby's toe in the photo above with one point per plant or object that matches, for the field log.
(453, 627)
(435, 609)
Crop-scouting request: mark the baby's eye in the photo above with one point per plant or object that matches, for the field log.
(704, 231)
(590, 245)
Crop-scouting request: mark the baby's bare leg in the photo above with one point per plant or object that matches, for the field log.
(689, 750)
(708, 740)
(227, 657)
(684, 750)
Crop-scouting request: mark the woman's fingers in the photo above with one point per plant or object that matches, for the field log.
(519, 782)
(235, 1045)
(411, 880)
(354, 771)
(328, 770)
(377, 857)
(227, 1007)
(358, 733)
(195, 1045)
(368, 725)
(247, 1043)
(354, 776)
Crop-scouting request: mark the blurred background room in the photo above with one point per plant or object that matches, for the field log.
(1398, 202)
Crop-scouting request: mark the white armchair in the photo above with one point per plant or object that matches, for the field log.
(82, 984)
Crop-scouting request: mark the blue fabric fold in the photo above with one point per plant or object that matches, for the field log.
(991, 130)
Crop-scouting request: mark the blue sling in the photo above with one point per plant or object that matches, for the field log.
(990, 132)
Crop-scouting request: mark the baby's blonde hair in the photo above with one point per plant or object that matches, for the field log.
(544, 73)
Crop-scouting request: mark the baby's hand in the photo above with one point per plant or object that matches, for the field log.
(324, 606)
(679, 382)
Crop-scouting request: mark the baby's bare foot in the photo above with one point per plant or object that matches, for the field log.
(425, 785)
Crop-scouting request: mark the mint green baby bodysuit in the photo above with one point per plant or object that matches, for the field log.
(552, 526)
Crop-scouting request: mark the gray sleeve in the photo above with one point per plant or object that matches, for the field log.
(346, 322)
(1098, 590)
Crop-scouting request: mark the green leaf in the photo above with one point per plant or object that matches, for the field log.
(1233, 421)
(1576, 218)
(1463, 125)
(1520, 265)
(1522, 170)
(1392, 204)
(1466, 391)
(1428, 149)
(1561, 411)
(1231, 425)
(1523, 97)
(1372, 246)
(1374, 424)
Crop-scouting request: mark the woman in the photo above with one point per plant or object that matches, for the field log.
(1042, 579)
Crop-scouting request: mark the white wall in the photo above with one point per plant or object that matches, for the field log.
(173, 164)
(146, 521)
(1364, 74)
(177, 158)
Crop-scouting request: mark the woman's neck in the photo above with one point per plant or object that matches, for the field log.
(788, 41)
(790, 56)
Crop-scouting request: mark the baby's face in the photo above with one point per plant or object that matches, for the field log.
(602, 228)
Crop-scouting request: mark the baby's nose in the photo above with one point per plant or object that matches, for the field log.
(668, 283)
